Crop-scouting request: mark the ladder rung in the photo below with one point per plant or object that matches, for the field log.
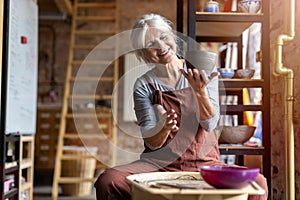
(85, 79)
(76, 157)
(96, 5)
(95, 18)
(79, 62)
(86, 47)
(80, 115)
(92, 79)
(95, 32)
(85, 96)
(96, 97)
(85, 115)
(75, 180)
(86, 136)
(93, 47)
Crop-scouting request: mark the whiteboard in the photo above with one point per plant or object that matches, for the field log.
(22, 71)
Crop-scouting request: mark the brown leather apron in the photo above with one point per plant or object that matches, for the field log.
(189, 147)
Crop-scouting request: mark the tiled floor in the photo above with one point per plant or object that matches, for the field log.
(43, 188)
(44, 193)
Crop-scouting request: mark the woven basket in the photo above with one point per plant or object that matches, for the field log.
(82, 168)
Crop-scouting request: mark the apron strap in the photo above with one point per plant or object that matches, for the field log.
(157, 94)
(150, 82)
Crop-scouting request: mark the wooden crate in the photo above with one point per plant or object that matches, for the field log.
(82, 168)
(48, 122)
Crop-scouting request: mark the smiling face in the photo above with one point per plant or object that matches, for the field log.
(160, 46)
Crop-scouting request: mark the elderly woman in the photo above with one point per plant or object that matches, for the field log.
(177, 110)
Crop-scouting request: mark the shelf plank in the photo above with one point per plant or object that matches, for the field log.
(12, 137)
(27, 138)
(241, 150)
(241, 108)
(11, 193)
(241, 83)
(25, 186)
(10, 164)
(11, 170)
(228, 17)
(225, 24)
(26, 163)
(222, 29)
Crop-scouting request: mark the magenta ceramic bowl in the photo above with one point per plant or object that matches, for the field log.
(228, 177)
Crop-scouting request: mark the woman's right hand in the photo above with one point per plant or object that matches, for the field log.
(171, 121)
(168, 120)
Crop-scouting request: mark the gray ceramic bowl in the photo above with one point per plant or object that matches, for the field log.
(202, 60)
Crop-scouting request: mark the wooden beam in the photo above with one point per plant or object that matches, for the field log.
(64, 6)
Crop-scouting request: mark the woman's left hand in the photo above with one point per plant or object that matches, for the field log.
(198, 79)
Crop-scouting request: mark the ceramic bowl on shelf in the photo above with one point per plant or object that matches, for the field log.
(236, 134)
(226, 72)
(228, 177)
(245, 73)
(249, 6)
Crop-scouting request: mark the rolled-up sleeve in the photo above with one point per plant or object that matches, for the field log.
(143, 107)
(213, 93)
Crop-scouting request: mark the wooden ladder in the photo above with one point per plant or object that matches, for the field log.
(92, 74)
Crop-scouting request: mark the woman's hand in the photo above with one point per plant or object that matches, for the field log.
(198, 79)
(167, 122)
(171, 121)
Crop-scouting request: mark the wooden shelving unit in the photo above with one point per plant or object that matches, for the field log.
(228, 27)
(26, 169)
(11, 167)
(20, 166)
(231, 24)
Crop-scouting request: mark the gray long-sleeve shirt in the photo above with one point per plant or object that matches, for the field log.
(146, 112)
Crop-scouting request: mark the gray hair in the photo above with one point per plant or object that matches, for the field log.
(140, 28)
